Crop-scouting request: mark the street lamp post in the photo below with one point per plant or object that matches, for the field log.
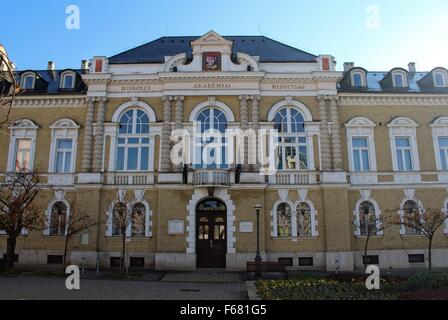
(258, 258)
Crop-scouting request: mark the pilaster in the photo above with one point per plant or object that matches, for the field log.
(99, 137)
(325, 136)
(166, 134)
(244, 114)
(336, 134)
(86, 162)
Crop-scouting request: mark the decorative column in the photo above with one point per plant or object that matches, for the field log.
(324, 136)
(179, 121)
(336, 135)
(244, 115)
(99, 137)
(86, 162)
(255, 126)
(166, 135)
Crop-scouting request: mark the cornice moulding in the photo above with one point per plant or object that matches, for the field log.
(393, 100)
(49, 101)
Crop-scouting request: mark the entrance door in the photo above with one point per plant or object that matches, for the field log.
(211, 234)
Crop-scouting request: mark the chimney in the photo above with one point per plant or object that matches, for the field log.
(84, 65)
(411, 67)
(348, 66)
(51, 66)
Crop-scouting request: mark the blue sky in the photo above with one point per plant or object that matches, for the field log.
(375, 34)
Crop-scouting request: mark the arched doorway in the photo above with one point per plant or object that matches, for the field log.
(211, 234)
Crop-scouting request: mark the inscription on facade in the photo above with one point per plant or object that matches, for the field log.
(136, 88)
(212, 86)
(288, 86)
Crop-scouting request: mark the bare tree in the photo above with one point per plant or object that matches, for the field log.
(419, 221)
(76, 225)
(369, 225)
(18, 211)
(121, 220)
(9, 88)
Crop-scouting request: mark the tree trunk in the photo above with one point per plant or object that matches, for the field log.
(10, 252)
(365, 252)
(430, 254)
(123, 250)
(64, 265)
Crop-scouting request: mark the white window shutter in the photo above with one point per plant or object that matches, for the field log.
(148, 223)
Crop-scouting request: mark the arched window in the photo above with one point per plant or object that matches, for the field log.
(439, 79)
(293, 150)
(304, 225)
(58, 219)
(139, 220)
(67, 80)
(28, 81)
(399, 79)
(133, 141)
(367, 219)
(119, 219)
(411, 217)
(211, 150)
(284, 225)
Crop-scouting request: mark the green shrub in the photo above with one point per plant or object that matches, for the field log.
(426, 280)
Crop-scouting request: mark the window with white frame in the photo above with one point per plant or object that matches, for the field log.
(284, 224)
(403, 137)
(399, 79)
(304, 220)
(443, 152)
(135, 219)
(138, 220)
(439, 79)
(23, 155)
(134, 144)
(28, 81)
(23, 134)
(403, 153)
(361, 157)
(411, 213)
(293, 146)
(440, 141)
(58, 219)
(295, 220)
(67, 80)
(357, 79)
(64, 138)
(361, 145)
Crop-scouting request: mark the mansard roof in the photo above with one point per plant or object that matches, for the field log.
(49, 81)
(267, 49)
(377, 82)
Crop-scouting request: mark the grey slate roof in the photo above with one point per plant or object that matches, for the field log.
(48, 82)
(267, 49)
(375, 84)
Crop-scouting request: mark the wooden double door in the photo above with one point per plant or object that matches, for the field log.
(211, 236)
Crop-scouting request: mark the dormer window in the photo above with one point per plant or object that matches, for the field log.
(358, 80)
(399, 80)
(67, 81)
(28, 81)
(439, 79)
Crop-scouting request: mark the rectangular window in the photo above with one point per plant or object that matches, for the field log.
(443, 152)
(371, 260)
(398, 79)
(137, 262)
(306, 262)
(115, 262)
(23, 154)
(439, 80)
(53, 259)
(404, 154)
(64, 154)
(287, 262)
(133, 154)
(361, 159)
(416, 258)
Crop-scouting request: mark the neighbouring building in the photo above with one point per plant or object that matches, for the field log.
(352, 145)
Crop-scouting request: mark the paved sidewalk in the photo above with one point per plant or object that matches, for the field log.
(203, 277)
(34, 288)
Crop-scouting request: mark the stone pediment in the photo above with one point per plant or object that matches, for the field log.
(211, 38)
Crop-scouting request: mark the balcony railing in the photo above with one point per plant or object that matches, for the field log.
(129, 178)
(294, 178)
(211, 178)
